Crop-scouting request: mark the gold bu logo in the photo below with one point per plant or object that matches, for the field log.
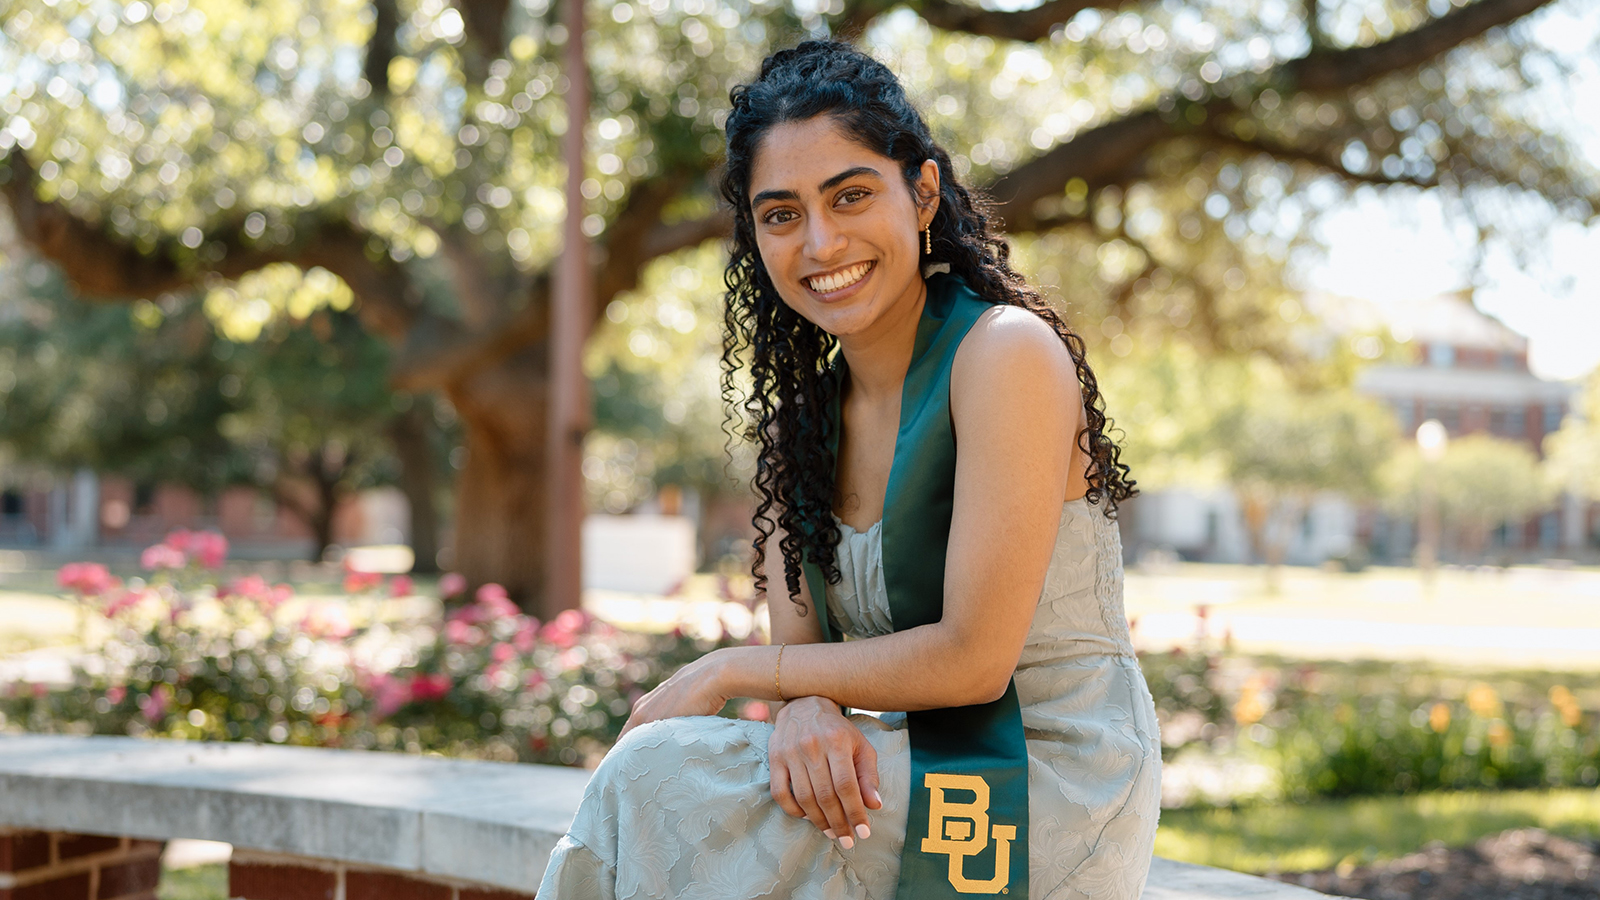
(960, 830)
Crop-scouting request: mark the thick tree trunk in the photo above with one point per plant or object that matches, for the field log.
(411, 433)
(501, 495)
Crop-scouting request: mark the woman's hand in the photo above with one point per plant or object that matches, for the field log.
(823, 768)
(694, 690)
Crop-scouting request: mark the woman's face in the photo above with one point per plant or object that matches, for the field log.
(836, 224)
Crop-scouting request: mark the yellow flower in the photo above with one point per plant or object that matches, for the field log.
(1439, 717)
(1483, 701)
(1571, 715)
(1499, 734)
(1249, 709)
(1567, 705)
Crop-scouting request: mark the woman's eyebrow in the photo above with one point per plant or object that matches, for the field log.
(847, 174)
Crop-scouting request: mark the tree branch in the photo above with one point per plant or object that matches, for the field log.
(107, 266)
(381, 46)
(1329, 71)
(450, 353)
(1031, 24)
(1116, 152)
(1278, 150)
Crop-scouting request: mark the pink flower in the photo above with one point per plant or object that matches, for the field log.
(533, 679)
(88, 579)
(451, 584)
(275, 597)
(503, 653)
(361, 582)
(124, 600)
(255, 588)
(563, 631)
(326, 621)
(178, 539)
(572, 658)
(460, 631)
(210, 547)
(494, 601)
(527, 634)
(756, 711)
(154, 706)
(401, 586)
(388, 695)
(115, 693)
(162, 556)
(430, 687)
(249, 587)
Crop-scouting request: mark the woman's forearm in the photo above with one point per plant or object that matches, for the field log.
(919, 668)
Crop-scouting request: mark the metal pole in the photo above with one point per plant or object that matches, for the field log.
(570, 314)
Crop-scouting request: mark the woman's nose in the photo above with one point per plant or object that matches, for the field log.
(824, 239)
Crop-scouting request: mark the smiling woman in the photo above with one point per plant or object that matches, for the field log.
(981, 591)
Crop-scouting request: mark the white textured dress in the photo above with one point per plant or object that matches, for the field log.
(682, 808)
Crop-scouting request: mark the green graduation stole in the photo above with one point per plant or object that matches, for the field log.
(967, 827)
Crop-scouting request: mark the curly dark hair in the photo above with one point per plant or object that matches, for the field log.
(793, 380)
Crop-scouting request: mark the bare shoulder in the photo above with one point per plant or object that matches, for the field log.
(1013, 348)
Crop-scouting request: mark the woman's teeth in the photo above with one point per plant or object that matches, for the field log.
(827, 284)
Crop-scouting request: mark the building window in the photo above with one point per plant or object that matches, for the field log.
(1509, 423)
(1405, 412)
(1448, 414)
(1441, 356)
(1553, 413)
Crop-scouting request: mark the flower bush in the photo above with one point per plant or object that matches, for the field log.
(1400, 742)
(190, 656)
(1347, 729)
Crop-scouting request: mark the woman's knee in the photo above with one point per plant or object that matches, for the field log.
(668, 742)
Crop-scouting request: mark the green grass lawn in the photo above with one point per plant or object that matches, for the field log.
(208, 882)
(1290, 838)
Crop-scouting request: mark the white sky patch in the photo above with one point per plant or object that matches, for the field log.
(1390, 250)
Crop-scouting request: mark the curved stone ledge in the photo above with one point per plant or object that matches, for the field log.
(482, 822)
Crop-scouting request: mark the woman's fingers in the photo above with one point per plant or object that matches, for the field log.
(825, 782)
(805, 794)
(866, 769)
(847, 791)
(782, 792)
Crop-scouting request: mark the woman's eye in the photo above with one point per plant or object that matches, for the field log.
(851, 195)
(778, 216)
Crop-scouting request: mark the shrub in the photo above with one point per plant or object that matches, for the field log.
(249, 661)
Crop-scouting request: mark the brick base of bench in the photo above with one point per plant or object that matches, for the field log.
(55, 865)
(269, 876)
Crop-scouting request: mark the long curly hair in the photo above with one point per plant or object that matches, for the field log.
(793, 379)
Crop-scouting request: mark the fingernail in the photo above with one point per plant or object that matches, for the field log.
(863, 832)
(846, 842)
(831, 835)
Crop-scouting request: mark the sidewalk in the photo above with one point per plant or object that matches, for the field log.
(1523, 617)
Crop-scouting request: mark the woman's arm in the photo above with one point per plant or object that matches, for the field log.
(821, 766)
(1017, 410)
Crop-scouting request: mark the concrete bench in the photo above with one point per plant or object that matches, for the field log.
(325, 824)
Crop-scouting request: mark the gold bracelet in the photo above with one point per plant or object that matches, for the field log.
(777, 674)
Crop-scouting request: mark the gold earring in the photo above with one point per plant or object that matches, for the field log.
(927, 239)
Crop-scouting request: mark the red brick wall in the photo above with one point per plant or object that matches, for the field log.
(41, 865)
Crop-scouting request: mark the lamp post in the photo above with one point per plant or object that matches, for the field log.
(1432, 440)
(569, 319)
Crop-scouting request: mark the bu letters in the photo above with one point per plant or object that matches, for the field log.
(960, 830)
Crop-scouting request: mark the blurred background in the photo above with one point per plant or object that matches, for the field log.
(279, 299)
